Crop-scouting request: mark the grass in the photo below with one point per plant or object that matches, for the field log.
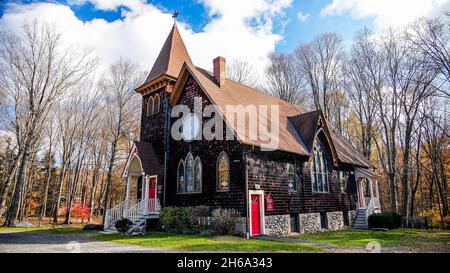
(46, 230)
(173, 241)
(409, 238)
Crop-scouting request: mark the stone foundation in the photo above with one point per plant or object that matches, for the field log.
(335, 220)
(309, 222)
(277, 225)
(352, 216)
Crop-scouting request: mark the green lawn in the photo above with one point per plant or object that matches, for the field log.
(173, 241)
(410, 238)
(46, 230)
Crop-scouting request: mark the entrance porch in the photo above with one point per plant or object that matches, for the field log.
(141, 199)
(368, 197)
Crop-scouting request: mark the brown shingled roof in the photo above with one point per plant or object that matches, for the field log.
(171, 57)
(290, 139)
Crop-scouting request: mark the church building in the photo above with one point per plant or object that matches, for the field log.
(313, 180)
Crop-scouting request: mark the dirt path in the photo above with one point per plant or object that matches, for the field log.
(28, 242)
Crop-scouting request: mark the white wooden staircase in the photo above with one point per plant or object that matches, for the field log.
(138, 214)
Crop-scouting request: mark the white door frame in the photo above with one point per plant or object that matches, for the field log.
(262, 210)
(156, 189)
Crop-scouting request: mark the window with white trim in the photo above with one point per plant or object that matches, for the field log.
(343, 177)
(292, 181)
(180, 177)
(319, 168)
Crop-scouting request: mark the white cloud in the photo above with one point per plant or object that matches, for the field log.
(387, 13)
(245, 32)
(302, 17)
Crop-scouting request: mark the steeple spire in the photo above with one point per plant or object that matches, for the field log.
(171, 57)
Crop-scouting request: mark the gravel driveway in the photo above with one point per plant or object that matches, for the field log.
(28, 242)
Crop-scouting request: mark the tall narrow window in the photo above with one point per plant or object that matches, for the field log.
(223, 172)
(319, 172)
(149, 106)
(189, 173)
(292, 183)
(343, 176)
(180, 177)
(197, 175)
(156, 104)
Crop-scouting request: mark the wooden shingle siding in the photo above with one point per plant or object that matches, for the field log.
(208, 151)
(269, 170)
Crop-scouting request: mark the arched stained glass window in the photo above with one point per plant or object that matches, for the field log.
(292, 183)
(180, 177)
(197, 175)
(319, 170)
(223, 172)
(189, 175)
(149, 106)
(156, 104)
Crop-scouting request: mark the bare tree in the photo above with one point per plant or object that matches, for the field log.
(121, 108)
(283, 79)
(431, 37)
(242, 71)
(320, 62)
(363, 76)
(35, 74)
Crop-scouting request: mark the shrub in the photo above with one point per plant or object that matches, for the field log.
(434, 219)
(200, 218)
(385, 220)
(177, 219)
(225, 221)
(123, 225)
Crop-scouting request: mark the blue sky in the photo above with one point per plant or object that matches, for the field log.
(195, 14)
(245, 29)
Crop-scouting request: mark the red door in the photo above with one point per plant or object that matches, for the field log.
(152, 194)
(256, 214)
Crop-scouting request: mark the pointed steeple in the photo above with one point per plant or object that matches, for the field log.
(171, 57)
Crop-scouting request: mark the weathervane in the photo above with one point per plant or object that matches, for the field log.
(174, 16)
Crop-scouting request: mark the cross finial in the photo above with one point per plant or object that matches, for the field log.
(175, 15)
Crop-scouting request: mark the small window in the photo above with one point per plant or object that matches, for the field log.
(156, 104)
(292, 181)
(223, 172)
(323, 220)
(149, 106)
(343, 176)
(295, 227)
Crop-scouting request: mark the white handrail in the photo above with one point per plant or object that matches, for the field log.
(136, 211)
(114, 214)
(370, 208)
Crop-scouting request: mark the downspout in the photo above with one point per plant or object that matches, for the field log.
(247, 222)
(167, 148)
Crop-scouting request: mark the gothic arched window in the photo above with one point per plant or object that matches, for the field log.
(156, 104)
(223, 172)
(319, 169)
(180, 177)
(149, 106)
(189, 175)
(197, 175)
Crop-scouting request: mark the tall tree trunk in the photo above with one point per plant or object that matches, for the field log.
(109, 176)
(9, 183)
(20, 180)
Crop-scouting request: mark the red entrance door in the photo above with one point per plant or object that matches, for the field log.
(256, 214)
(152, 194)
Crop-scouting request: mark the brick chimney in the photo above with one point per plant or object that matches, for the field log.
(219, 68)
